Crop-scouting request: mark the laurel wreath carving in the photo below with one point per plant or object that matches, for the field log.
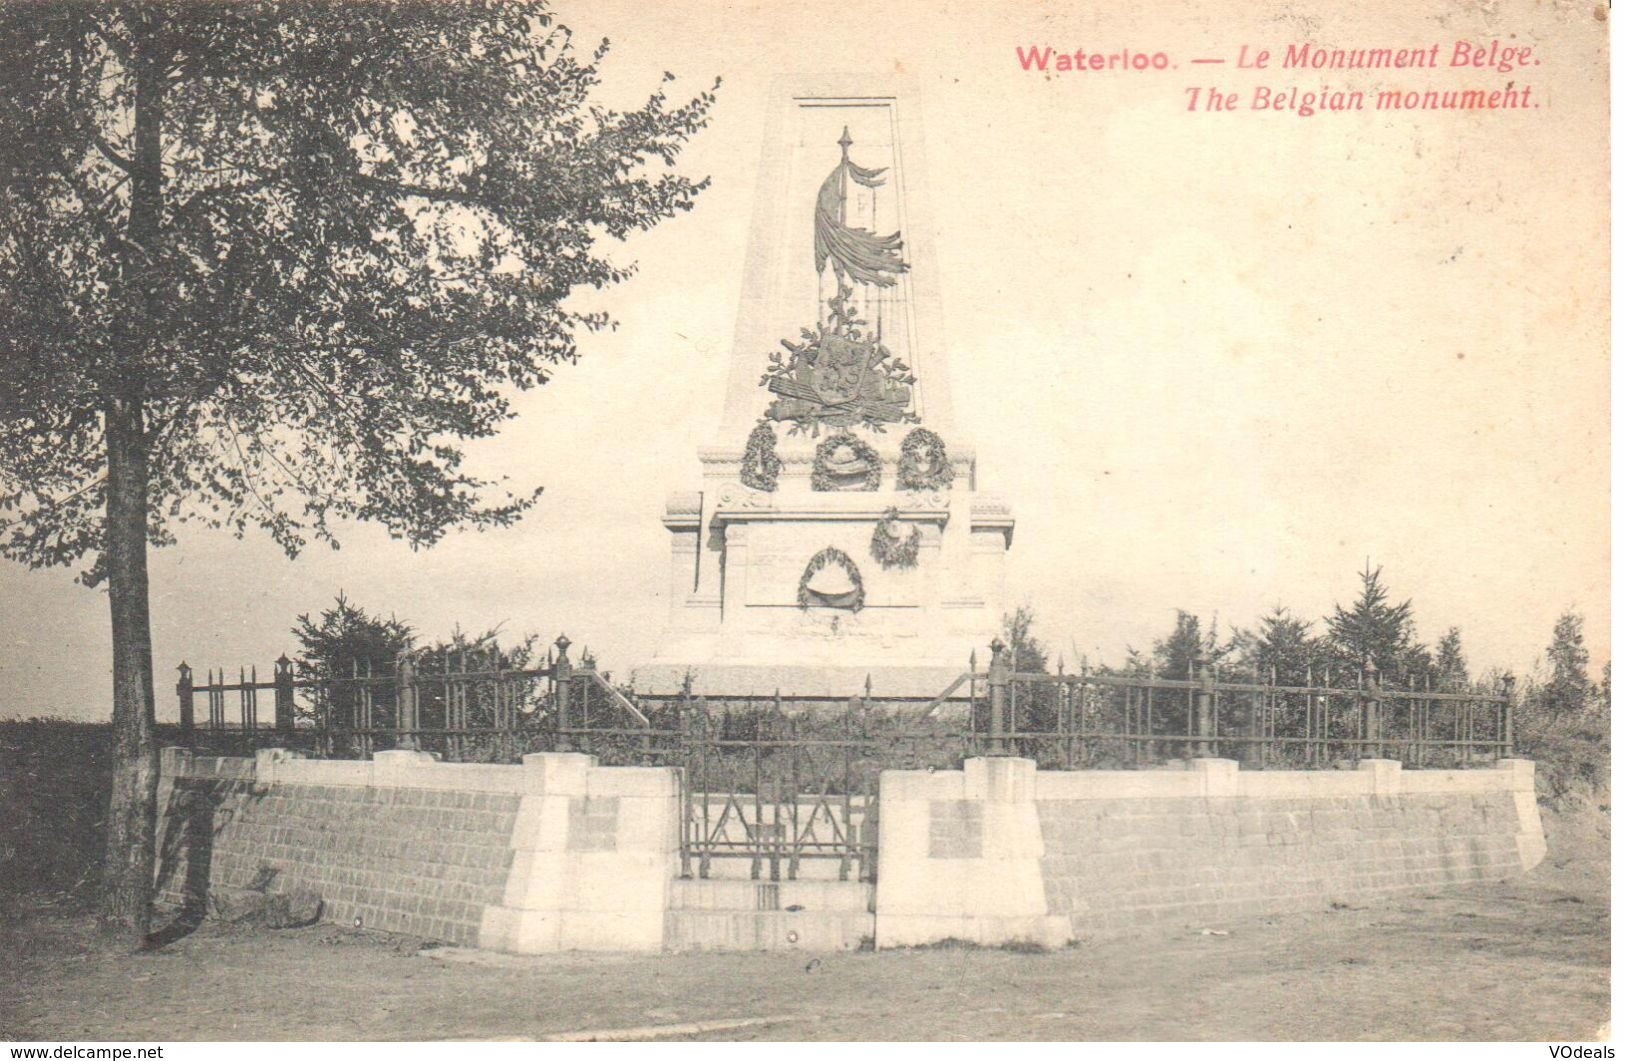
(823, 478)
(924, 464)
(890, 546)
(831, 555)
(759, 467)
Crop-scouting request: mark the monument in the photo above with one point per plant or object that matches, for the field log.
(839, 538)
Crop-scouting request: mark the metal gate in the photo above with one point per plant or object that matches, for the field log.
(773, 789)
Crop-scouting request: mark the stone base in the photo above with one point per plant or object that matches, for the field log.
(922, 682)
(770, 916)
(1045, 932)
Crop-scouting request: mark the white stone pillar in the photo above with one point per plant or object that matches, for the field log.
(960, 858)
(595, 851)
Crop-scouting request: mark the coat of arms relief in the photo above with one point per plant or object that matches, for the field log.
(838, 376)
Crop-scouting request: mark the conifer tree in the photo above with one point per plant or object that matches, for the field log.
(1373, 630)
(1568, 690)
(1449, 661)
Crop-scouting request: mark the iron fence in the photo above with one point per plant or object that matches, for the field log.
(464, 706)
(1128, 722)
(473, 707)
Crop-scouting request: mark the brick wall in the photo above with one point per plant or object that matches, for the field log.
(424, 861)
(1125, 851)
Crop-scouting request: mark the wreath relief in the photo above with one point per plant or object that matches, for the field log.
(893, 545)
(831, 580)
(759, 467)
(845, 462)
(923, 463)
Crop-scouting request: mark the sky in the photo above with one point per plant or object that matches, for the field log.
(1215, 361)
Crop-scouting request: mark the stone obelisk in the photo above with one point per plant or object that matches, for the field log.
(838, 539)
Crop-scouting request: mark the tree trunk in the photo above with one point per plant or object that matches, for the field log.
(132, 811)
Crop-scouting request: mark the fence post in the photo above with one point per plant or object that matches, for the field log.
(1255, 723)
(562, 680)
(406, 703)
(284, 694)
(183, 692)
(1206, 704)
(998, 696)
(1506, 714)
(1370, 700)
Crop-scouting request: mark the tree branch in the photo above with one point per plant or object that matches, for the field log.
(48, 505)
(203, 195)
(112, 156)
(441, 195)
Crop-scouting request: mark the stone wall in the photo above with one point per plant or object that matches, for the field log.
(559, 853)
(1127, 850)
(556, 853)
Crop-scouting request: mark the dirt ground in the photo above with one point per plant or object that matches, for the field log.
(1522, 959)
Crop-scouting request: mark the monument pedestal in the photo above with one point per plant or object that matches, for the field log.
(740, 625)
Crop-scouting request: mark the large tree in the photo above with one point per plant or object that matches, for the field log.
(269, 262)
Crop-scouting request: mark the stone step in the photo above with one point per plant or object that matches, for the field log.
(749, 930)
(791, 896)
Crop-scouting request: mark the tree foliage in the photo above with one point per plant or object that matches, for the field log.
(1282, 647)
(1028, 654)
(1374, 631)
(1449, 661)
(1286, 648)
(1563, 719)
(1568, 689)
(1177, 655)
(346, 641)
(347, 650)
(348, 236)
